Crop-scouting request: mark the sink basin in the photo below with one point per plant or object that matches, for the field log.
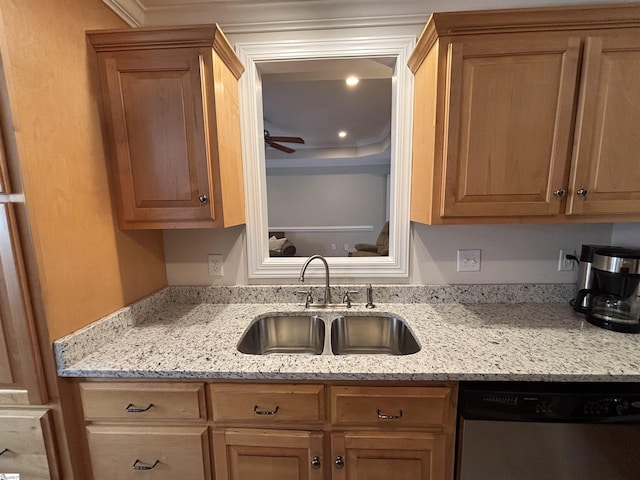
(284, 334)
(373, 334)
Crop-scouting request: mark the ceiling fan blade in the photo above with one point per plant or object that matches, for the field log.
(282, 148)
(288, 139)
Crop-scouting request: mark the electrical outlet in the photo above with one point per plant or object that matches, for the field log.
(469, 260)
(215, 265)
(346, 247)
(564, 264)
(333, 246)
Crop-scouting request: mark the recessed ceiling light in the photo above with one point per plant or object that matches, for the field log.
(342, 134)
(352, 81)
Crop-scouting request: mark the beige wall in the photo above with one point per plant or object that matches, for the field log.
(87, 267)
(510, 253)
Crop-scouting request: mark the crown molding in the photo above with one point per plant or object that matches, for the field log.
(129, 10)
(259, 16)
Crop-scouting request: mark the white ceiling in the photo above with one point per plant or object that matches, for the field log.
(310, 99)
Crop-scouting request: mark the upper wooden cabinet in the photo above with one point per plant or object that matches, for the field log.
(527, 115)
(172, 118)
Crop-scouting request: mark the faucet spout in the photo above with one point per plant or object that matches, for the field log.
(327, 289)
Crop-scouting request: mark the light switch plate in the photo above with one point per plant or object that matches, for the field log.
(469, 260)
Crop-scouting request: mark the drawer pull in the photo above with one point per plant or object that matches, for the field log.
(265, 412)
(4, 451)
(315, 463)
(136, 466)
(131, 409)
(389, 417)
(339, 462)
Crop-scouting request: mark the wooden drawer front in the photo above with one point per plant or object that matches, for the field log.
(267, 404)
(143, 401)
(159, 452)
(390, 406)
(27, 442)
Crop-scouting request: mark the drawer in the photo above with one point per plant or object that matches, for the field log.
(267, 404)
(390, 406)
(143, 401)
(150, 452)
(27, 445)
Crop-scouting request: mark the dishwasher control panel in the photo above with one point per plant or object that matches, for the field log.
(564, 403)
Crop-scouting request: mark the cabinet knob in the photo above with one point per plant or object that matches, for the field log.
(559, 192)
(137, 466)
(315, 463)
(203, 199)
(583, 192)
(339, 462)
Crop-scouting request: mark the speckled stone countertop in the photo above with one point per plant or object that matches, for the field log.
(180, 333)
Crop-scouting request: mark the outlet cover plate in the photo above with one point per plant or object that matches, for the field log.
(564, 264)
(469, 260)
(215, 265)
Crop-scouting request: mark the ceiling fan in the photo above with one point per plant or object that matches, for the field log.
(273, 142)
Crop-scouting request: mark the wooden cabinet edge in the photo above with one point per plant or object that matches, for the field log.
(146, 38)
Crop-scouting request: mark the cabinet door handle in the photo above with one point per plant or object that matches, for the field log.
(339, 462)
(4, 451)
(203, 199)
(315, 463)
(583, 192)
(131, 409)
(136, 465)
(265, 412)
(389, 417)
(559, 192)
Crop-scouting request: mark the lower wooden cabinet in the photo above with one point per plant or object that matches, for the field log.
(27, 445)
(246, 454)
(149, 452)
(388, 455)
(268, 431)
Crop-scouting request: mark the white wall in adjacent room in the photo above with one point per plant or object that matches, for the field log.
(299, 201)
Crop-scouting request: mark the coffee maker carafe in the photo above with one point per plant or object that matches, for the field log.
(615, 303)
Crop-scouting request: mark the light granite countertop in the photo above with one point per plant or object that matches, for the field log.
(180, 334)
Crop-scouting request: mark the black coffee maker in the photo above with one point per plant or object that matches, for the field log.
(613, 302)
(586, 278)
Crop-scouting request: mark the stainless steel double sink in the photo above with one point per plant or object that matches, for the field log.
(349, 334)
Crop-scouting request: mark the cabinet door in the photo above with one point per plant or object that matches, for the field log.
(605, 176)
(510, 102)
(27, 444)
(21, 375)
(157, 122)
(384, 456)
(245, 454)
(150, 452)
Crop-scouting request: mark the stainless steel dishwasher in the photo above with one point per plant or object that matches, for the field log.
(540, 431)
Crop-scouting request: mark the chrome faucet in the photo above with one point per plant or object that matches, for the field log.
(327, 290)
(369, 297)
